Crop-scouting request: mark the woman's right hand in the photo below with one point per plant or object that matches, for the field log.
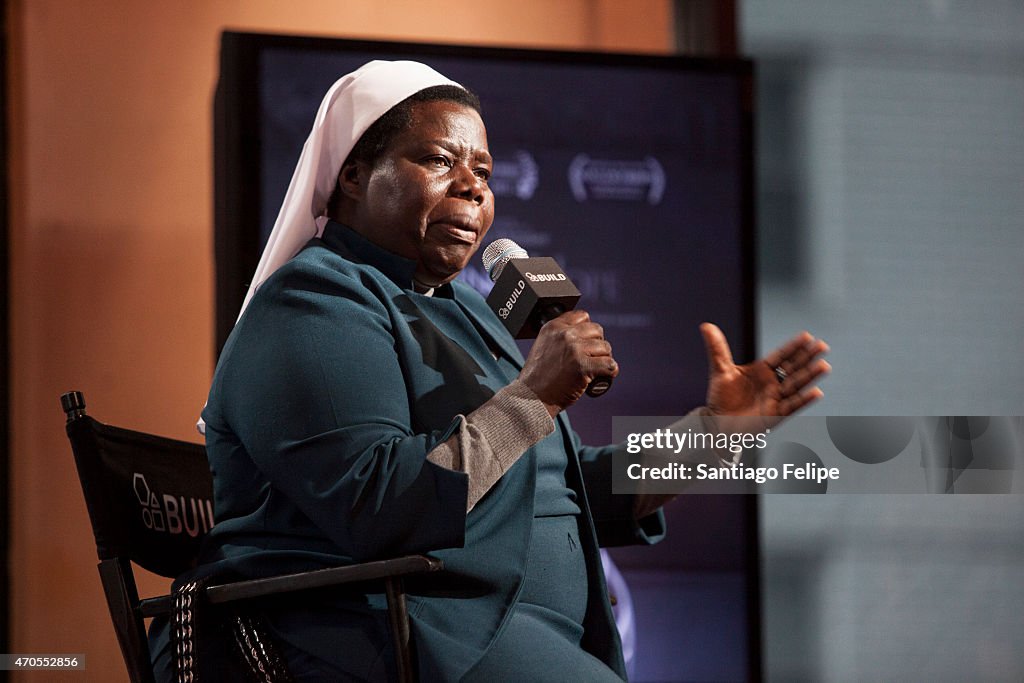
(569, 353)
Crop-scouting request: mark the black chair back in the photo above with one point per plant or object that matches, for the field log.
(150, 498)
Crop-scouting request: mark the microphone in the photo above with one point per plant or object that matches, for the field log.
(530, 291)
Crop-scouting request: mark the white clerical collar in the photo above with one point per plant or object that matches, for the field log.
(422, 289)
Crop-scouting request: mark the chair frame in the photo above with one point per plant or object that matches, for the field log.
(128, 611)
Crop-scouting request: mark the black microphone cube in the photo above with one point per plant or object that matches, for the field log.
(529, 292)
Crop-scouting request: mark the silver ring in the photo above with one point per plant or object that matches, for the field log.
(780, 374)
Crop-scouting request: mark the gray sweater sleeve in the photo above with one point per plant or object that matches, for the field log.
(493, 437)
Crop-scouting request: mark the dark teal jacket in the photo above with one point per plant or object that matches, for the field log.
(331, 390)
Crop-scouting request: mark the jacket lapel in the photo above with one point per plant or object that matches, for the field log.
(490, 327)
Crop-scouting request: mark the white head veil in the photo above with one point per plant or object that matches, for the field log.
(351, 105)
(354, 102)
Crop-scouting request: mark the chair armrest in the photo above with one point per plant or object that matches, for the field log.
(318, 578)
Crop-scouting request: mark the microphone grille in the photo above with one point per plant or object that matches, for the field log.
(498, 253)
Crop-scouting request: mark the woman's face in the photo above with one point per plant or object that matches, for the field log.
(426, 197)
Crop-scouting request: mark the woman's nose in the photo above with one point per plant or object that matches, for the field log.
(466, 184)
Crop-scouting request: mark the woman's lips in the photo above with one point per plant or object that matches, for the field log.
(463, 229)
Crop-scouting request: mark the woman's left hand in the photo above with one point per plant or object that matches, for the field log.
(777, 385)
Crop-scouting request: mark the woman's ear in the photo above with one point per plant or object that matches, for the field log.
(352, 180)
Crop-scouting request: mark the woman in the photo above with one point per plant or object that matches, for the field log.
(366, 406)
